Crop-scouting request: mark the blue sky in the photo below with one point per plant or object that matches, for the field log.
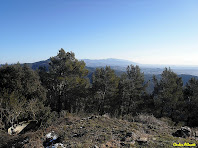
(143, 31)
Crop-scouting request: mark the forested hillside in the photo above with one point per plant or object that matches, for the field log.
(42, 95)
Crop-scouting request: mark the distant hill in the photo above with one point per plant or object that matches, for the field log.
(109, 62)
(36, 65)
(45, 63)
(149, 77)
(120, 67)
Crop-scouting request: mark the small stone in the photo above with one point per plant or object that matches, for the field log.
(133, 142)
(123, 139)
(196, 133)
(128, 134)
(154, 139)
(95, 146)
(142, 139)
(121, 131)
(183, 132)
(128, 139)
(91, 117)
(122, 144)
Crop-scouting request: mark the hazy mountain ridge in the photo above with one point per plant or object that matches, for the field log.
(109, 62)
(120, 66)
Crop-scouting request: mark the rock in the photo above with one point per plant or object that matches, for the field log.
(52, 135)
(84, 119)
(132, 142)
(184, 132)
(95, 146)
(142, 139)
(123, 139)
(128, 139)
(121, 131)
(122, 144)
(154, 139)
(196, 133)
(25, 141)
(77, 135)
(92, 117)
(106, 115)
(22, 127)
(128, 134)
(58, 145)
(51, 138)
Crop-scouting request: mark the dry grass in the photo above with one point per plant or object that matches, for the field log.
(102, 131)
(149, 119)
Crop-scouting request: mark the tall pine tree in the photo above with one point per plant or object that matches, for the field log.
(191, 102)
(105, 89)
(66, 83)
(168, 95)
(131, 90)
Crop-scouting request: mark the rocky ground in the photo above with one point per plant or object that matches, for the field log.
(93, 131)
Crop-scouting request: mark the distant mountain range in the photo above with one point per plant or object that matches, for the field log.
(120, 66)
(186, 73)
(109, 62)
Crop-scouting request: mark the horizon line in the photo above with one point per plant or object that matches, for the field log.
(139, 64)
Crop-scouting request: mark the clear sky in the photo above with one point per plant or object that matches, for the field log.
(143, 31)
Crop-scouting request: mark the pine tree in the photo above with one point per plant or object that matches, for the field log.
(105, 89)
(168, 94)
(191, 102)
(19, 86)
(131, 90)
(67, 85)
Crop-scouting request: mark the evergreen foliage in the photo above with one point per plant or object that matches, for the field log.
(191, 102)
(105, 89)
(131, 91)
(19, 88)
(26, 94)
(65, 82)
(168, 94)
